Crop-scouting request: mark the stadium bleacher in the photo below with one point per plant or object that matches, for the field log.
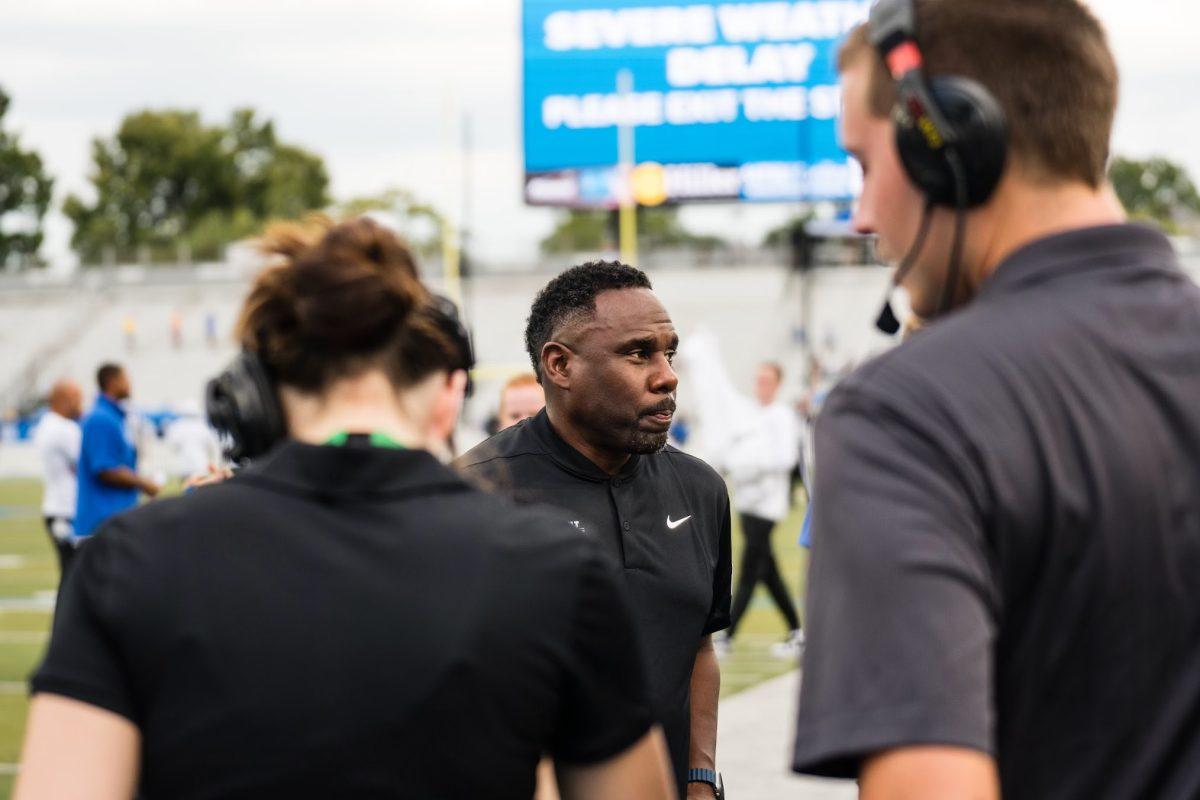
(756, 312)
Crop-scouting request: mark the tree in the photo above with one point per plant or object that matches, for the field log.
(660, 228)
(417, 221)
(580, 231)
(785, 235)
(587, 230)
(167, 179)
(1155, 190)
(24, 197)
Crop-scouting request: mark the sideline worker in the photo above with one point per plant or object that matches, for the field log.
(759, 466)
(345, 617)
(1004, 595)
(521, 398)
(57, 439)
(602, 344)
(108, 478)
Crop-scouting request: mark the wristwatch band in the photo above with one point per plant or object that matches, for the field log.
(708, 776)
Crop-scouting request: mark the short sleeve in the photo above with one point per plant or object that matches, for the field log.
(607, 707)
(901, 619)
(83, 661)
(718, 613)
(104, 443)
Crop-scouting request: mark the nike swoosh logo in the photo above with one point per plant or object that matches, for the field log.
(673, 524)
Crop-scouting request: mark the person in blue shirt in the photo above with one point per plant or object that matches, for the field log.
(108, 479)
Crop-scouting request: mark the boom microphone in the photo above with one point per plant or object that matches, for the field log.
(887, 321)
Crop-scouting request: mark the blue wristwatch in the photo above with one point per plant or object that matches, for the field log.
(710, 777)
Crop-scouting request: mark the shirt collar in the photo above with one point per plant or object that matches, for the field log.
(570, 459)
(1107, 247)
(104, 401)
(360, 472)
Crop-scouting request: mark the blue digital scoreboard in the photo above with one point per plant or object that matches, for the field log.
(734, 100)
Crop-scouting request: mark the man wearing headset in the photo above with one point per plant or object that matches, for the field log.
(1003, 592)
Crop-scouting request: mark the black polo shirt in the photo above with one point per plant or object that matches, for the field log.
(1006, 549)
(664, 517)
(349, 622)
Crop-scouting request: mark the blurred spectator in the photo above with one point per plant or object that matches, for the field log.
(129, 328)
(210, 329)
(108, 479)
(57, 439)
(758, 465)
(176, 329)
(521, 398)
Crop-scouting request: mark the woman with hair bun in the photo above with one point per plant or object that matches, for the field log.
(345, 617)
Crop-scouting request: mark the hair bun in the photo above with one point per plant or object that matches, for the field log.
(339, 291)
(354, 289)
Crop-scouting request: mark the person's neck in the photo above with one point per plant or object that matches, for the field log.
(367, 404)
(607, 460)
(1028, 212)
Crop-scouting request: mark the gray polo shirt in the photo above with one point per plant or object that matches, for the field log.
(1006, 548)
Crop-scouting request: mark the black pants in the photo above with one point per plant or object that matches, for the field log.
(758, 564)
(65, 550)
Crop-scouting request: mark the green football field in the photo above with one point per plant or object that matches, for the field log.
(29, 575)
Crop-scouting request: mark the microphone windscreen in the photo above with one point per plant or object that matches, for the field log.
(886, 321)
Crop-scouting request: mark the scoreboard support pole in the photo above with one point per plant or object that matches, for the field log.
(627, 221)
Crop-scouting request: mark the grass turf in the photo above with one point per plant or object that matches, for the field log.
(29, 570)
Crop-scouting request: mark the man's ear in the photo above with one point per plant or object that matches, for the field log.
(556, 364)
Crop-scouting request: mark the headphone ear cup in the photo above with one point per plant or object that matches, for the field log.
(981, 142)
(242, 407)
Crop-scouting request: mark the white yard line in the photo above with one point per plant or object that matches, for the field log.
(42, 601)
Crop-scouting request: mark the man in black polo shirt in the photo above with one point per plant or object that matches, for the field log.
(1004, 593)
(602, 345)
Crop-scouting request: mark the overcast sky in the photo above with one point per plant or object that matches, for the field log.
(377, 86)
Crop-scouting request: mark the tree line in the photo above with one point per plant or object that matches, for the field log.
(167, 185)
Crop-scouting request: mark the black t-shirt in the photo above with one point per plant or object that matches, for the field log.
(349, 622)
(664, 518)
(1006, 550)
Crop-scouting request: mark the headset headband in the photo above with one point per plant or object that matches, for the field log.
(892, 29)
(891, 24)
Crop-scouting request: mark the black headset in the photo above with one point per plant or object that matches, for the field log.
(243, 405)
(950, 130)
(951, 135)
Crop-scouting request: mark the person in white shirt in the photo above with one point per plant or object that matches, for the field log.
(57, 439)
(758, 464)
(194, 444)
